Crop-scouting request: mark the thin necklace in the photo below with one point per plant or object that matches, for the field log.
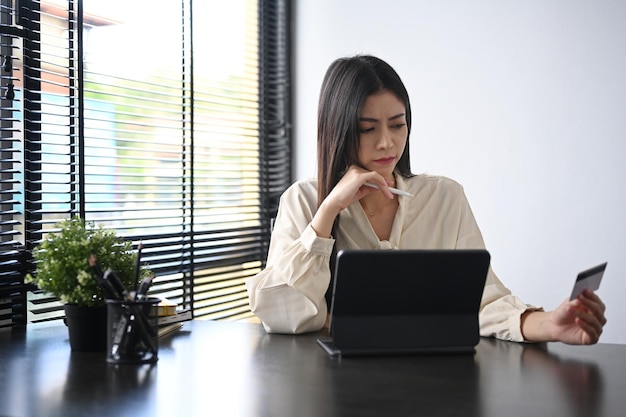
(370, 212)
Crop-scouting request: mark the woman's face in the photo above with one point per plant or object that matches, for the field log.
(383, 133)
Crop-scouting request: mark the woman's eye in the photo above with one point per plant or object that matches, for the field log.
(367, 129)
(398, 126)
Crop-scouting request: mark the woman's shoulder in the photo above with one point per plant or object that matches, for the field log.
(305, 191)
(308, 186)
(433, 183)
(302, 190)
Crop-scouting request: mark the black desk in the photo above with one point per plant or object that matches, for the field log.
(236, 369)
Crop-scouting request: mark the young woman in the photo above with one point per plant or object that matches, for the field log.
(364, 123)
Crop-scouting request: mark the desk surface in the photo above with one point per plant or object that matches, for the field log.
(236, 369)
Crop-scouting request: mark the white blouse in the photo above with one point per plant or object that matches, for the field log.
(289, 294)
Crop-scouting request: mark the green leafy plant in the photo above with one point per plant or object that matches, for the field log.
(62, 262)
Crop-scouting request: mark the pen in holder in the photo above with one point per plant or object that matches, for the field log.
(132, 336)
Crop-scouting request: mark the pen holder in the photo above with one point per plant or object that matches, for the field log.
(132, 336)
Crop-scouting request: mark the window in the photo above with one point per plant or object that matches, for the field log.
(167, 121)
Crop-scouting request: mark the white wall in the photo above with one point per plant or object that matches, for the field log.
(523, 102)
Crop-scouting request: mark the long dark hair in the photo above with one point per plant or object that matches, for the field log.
(347, 83)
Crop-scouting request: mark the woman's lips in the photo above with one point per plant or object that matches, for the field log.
(385, 161)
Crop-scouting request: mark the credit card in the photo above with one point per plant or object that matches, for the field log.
(589, 278)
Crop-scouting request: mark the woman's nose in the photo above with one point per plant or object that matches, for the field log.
(386, 139)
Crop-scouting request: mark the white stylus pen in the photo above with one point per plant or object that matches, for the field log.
(393, 190)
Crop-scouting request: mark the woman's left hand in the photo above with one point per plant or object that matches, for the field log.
(576, 322)
(580, 321)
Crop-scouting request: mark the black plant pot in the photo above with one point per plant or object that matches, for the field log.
(87, 327)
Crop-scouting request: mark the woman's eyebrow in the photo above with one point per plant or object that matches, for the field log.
(372, 119)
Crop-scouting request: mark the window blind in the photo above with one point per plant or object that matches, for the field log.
(173, 130)
(12, 256)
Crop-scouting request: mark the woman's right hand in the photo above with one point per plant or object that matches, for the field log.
(350, 189)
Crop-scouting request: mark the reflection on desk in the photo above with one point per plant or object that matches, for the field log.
(538, 379)
(236, 369)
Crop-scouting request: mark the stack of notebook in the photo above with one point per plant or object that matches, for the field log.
(169, 317)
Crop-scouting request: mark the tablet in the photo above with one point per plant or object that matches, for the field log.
(402, 302)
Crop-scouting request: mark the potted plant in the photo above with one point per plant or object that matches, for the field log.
(63, 270)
